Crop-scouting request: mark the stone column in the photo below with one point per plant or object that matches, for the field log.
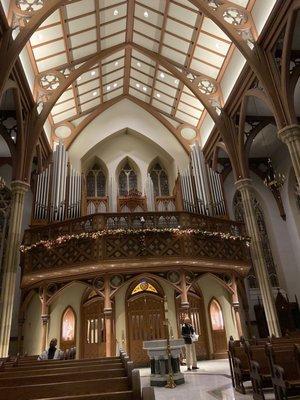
(44, 318)
(290, 135)
(236, 306)
(11, 263)
(184, 292)
(108, 317)
(245, 188)
(21, 321)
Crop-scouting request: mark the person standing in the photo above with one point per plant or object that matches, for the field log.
(187, 331)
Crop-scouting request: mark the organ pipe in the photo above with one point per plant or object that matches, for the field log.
(149, 192)
(58, 189)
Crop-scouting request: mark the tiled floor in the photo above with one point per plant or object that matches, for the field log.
(212, 381)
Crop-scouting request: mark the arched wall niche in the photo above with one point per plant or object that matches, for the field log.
(128, 176)
(160, 177)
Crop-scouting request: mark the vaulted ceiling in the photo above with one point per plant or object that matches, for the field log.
(173, 30)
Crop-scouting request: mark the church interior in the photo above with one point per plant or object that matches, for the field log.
(149, 179)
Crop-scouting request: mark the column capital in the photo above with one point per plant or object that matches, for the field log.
(289, 133)
(243, 183)
(45, 319)
(107, 312)
(19, 186)
(185, 305)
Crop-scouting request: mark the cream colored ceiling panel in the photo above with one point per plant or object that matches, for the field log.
(112, 95)
(91, 104)
(89, 96)
(166, 77)
(140, 57)
(142, 67)
(83, 38)
(112, 57)
(112, 14)
(112, 66)
(94, 84)
(150, 31)
(205, 68)
(64, 116)
(179, 29)
(58, 108)
(176, 43)
(68, 94)
(113, 76)
(52, 19)
(113, 40)
(80, 7)
(209, 26)
(189, 5)
(186, 118)
(45, 35)
(141, 77)
(173, 55)
(165, 88)
(52, 62)
(163, 97)
(118, 83)
(108, 3)
(181, 13)
(209, 56)
(140, 95)
(172, 122)
(212, 43)
(112, 28)
(89, 75)
(196, 113)
(158, 5)
(148, 15)
(49, 49)
(140, 87)
(148, 43)
(84, 51)
(161, 106)
(242, 3)
(188, 97)
(80, 24)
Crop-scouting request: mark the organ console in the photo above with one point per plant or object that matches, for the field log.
(61, 193)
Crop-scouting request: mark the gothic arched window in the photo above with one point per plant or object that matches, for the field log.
(268, 257)
(95, 182)
(127, 180)
(160, 180)
(216, 316)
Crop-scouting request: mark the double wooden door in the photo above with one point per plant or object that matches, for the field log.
(145, 322)
(93, 329)
(196, 313)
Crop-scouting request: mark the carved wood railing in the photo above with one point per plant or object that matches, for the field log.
(95, 205)
(165, 203)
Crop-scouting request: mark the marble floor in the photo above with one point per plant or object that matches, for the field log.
(211, 382)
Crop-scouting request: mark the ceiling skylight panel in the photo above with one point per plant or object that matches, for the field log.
(208, 56)
(205, 68)
(112, 76)
(212, 43)
(61, 117)
(108, 3)
(154, 17)
(179, 29)
(46, 35)
(112, 66)
(183, 14)
(141, 77)
(112, 40)
(140, 57)
(84, 51)
(80, 24)
(90, 104)
(146, 29)
(188, 97)
(52, 62)
(62, 107)
(139, 94)
(113, 27)
(83, 38)
(161, 106)
(68, 94)
(210, 27)
(80, 8)
(165, 88)
(113, 13)
(49, 49)
(166, 77)
(113, 94)
(158, 5)
(88, 86)
(174, 55)
(54, 18)
(194, 112)
(186, 118)
(145, 42)
(89, 96)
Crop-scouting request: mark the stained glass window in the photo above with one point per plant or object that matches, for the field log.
(160, 180)
(216, 316)
(127, 180)
(68, 325)
(96, 182)
(263, 234)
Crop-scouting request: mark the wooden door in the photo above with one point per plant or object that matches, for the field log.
(217, 330)
(196, 313)
(93, 329)
(145, 322)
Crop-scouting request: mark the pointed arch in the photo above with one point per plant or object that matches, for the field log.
(128, 176)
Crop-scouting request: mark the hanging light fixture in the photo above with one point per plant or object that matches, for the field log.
(273, 179)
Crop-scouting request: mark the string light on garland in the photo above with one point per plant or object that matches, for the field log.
(49, 244)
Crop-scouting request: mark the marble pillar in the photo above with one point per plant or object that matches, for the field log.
(290, 135)
(108, 317)
(245, 187)
(11, 263)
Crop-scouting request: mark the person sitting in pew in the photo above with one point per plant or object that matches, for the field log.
(52, 353)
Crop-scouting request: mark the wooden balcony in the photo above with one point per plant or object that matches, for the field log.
(133, 241)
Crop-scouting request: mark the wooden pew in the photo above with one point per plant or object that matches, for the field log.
(285, 369)
(239, 364)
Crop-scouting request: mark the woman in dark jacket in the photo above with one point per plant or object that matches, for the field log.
(187, 331)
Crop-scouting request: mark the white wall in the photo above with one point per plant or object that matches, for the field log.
(124, 115)
(32, 327)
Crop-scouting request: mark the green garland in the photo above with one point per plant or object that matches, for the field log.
(48, 244)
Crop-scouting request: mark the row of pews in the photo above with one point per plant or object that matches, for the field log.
(110, 378)
(267, 363)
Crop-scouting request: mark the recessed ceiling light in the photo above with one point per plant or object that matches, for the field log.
(39, 36)
(115, 84)
(116, 12)
(218, 46)
(146, 14)
(137, 85)
(176, 81)
(138, 64)
(95, 93)
(162, 75)
(79, 78)
(108, 87)
(116, 63)
(144, 89)
(158, 95)
(93, 73)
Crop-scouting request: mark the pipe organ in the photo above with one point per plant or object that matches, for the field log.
(201, 187)
(149, 193)
(58, 190)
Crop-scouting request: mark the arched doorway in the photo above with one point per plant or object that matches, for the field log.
(92, 326)
(218, 333)
(196, 312)
(68, 329)
(145, 316)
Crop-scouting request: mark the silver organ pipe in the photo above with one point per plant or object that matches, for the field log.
(58, 189)
(200, 178)
(187, 191)
(217, 192)
(149, 192)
